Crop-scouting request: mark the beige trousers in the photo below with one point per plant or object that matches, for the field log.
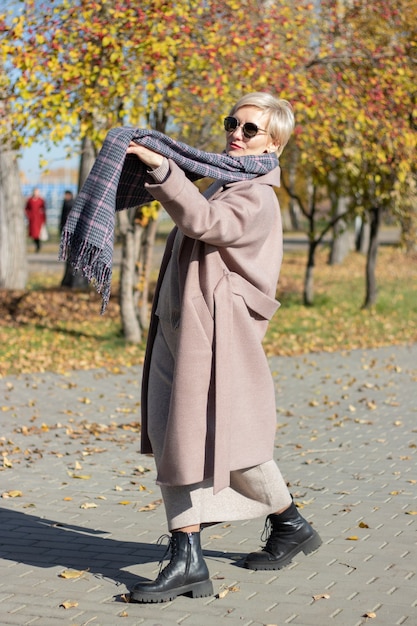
(253, 492)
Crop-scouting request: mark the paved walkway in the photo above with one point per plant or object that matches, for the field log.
(80, 513)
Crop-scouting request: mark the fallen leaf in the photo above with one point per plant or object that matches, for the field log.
(72, 573)
(151, 506)
(321, 596)
(7, 462)
(69, 604)
(67, 499)
(139, 469)
(124, 502)
(370, 614)
(88, 505)
(223, 592)
(14, 493)
(124, 614)
(411, 512)
(352, 538)
(363, 525)
(79, 476)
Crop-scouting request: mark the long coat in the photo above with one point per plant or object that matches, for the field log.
(35, 211)
(222, 412)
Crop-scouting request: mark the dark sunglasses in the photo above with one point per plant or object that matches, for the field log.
(249, 128)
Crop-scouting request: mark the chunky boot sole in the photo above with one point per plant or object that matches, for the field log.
(202, 589)
(265, 561)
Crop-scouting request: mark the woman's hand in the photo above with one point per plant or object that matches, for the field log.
(149, 157)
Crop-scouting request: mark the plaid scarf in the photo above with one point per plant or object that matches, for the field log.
(116, 182)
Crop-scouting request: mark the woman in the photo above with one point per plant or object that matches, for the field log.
(35, 211)
(208, 402)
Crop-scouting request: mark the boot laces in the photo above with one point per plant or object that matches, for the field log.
(170, 548)
(270, 536)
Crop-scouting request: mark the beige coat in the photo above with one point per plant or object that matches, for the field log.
(222, 415)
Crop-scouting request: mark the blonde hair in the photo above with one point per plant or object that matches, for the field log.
(280, 112)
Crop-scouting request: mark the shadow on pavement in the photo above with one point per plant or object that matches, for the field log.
(44, 543)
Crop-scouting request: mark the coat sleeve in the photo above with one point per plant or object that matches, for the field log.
(234, 217)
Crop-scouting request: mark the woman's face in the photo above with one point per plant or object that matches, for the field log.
(239, 145)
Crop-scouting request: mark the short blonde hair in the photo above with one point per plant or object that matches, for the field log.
(280, 115)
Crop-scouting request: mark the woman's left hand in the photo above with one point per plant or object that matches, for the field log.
(149, 157)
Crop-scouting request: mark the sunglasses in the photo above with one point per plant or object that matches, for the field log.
(249, 128)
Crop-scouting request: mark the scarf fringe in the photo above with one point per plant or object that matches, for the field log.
(85, 258)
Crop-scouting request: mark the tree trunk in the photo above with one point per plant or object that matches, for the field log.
(342, 237)
(148, 244)
(408, 237)
(371, 289)
(13, 262)
(362, 235)
(308, 295)
(88, 155)
(131, 233)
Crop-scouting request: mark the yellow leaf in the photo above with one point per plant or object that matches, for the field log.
(124, 614)
(411, 512)
(223, 592)
(363, 525)
(370, 615)
(352, 538)
(321, 596)
(14, 493)
(124, 502)
(72, 573)
(79, 476)
(88, 505)
(151, 506)
(6, 462)
(69, 604)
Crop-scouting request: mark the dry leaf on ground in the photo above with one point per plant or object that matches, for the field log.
(72, 573)
(69, 604)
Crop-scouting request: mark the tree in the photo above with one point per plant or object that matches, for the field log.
(366, 56)
(78, 77)
(13, 266)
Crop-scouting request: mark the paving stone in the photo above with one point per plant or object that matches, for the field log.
(346, 443)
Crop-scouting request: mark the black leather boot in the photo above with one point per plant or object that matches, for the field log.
(186, 573)
(289, 534)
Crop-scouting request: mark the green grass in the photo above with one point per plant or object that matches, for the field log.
(58, 331)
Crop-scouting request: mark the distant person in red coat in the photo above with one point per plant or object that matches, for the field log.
(36, 214)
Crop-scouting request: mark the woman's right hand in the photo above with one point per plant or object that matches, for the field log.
(149, 157)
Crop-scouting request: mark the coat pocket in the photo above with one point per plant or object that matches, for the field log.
(202, 322)
(256, 301)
